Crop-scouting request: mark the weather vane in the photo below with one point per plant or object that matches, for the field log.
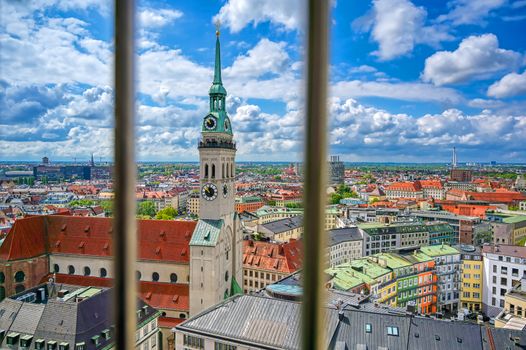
(217, 24)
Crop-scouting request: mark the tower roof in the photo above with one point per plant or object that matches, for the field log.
(217, 84)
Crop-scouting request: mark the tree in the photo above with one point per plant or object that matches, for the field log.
(294, 205)
(107, 206)
(81, 203)
(167, 213)
(271, 203)
(146, 208)
(335, 198)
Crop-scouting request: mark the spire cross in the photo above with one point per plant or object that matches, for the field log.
(218, 25)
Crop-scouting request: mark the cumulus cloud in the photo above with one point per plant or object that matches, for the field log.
(266, 57)
(399, 25)
(512, 84)
(156, 18)
(374, 134)
(470, 12)
(477, 57)
(287, 14)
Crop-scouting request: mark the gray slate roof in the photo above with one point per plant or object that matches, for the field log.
(266, 323)
(284, 225)
(345, 234)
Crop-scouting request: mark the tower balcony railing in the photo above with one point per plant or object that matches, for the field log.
(217, 144)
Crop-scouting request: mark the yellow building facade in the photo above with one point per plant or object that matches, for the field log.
(471, 281)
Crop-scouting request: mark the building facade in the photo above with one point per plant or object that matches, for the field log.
(471, 286)
(503, 264)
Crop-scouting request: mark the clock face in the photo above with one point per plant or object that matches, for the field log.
(210, 123)
(225, 190)
(227, 125)
(209, 191)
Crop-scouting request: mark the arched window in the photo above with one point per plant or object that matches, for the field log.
(232, 170)
(213, 171)
(155, 277)
(173, 278)
(226, 276)
(2, 293)
(206, 170)
(19, 288)
(223, 171)
(20, 276)
(2, 277)
(87, 271)
(56, 268)
(103, 272)
(138, 275)
(182, 316)
(226, 170)
(71, 269)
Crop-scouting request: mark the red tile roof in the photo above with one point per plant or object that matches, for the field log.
(404, 186)
(431, 184)
(166, 240)
(276, 257)
(170, 322)
(26, 239)
(496, 197)
(163, 296)
(162, 240)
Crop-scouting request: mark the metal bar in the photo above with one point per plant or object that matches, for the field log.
(313, 315)
(125, 228)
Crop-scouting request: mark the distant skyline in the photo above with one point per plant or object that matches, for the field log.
(409, 80)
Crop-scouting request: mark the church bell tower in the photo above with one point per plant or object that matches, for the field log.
(216, 244)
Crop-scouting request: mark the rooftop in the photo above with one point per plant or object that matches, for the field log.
(439, 250)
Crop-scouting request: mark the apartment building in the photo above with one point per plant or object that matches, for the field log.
(514, 314)
(248, 203)
(192, 203)
(345, 244)
(265, 263)
(471, 281)
(433, 189)
(503, 264)
(447, 263)
(404, 190)
(282, 230)
(380, 237)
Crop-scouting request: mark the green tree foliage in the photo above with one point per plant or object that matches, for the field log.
(81, 203)
(335, 198)
(167, 213)
(107, 206)
(146, 208)
(271, 203)
(294, 205)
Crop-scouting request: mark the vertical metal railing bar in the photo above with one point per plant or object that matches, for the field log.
(125, 227)
(313, 314)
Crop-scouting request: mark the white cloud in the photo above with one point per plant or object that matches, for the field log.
(156, 18)
(470, 11)
(512, 84)
(399, 25)
(266, 57)
(477, 57)
(236, 14)
(399, 91)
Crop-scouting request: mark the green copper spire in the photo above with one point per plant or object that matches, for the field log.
(217, 69)
(217, 119)
(217, 84)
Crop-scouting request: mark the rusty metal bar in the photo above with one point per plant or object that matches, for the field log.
(125, 227)
(313, 315)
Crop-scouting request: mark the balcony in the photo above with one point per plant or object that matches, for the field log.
(217, 144)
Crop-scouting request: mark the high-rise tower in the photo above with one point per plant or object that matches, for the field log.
(454, 158)
(216, 245)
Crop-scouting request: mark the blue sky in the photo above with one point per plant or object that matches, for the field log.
(409, 80)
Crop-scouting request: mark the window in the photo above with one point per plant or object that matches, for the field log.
(56, 268)
(20, 276)
(80, 346)
(391, 330)
(173, 277)
(221, 346)
(495, 268)
(71, 269)
(155, 277)
(503, 281)
(503, 270)
(193, 341)
(138, 275)
(368, 328)
(103, 272)
(87, 271)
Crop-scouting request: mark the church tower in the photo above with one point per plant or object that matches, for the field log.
(216, 244)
